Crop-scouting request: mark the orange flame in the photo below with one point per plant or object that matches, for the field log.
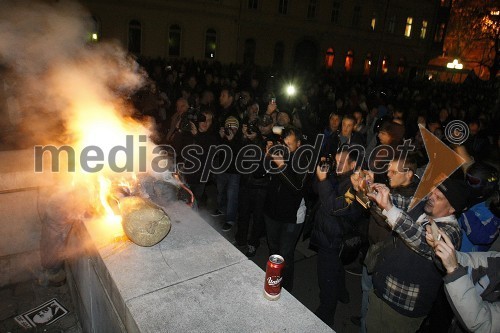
(112, 220)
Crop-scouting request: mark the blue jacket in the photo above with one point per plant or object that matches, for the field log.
(480, 228)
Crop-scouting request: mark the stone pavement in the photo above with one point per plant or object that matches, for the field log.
(18, 298)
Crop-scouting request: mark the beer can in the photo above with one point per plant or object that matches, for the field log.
(272, 284)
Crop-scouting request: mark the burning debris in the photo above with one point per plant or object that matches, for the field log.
(74, 93)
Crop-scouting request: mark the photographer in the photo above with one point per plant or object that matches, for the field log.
(228, 182)
(195, 128)
(337, 214)
(181, 106)
(284, 210)
(253, 189)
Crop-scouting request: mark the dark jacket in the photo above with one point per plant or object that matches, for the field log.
(260, 178)
(285, 192)
(337, 210)
(335, 142)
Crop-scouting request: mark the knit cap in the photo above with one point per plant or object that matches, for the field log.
(455, 192)
(232, 122)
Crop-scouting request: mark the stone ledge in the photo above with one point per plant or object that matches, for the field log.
(193, 280)
(227, 300)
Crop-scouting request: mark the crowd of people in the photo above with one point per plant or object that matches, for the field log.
(354, 188)
(338, 163)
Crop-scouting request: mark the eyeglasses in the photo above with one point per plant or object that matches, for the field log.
(395, 172)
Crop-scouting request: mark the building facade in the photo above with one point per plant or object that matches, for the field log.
(363, 36)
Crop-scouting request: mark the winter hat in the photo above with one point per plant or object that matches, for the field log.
(232, 122)
(455, 191)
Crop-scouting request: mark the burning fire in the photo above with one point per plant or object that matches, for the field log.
(112, 220)
(99, 124)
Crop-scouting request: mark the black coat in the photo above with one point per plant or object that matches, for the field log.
(285, 192)
(338, 209)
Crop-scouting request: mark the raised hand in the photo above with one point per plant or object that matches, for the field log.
(380, 194)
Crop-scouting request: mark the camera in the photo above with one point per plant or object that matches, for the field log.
(327, 164)
(191, 115)
(253, 126)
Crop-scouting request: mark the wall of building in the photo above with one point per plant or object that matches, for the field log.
(234, 23)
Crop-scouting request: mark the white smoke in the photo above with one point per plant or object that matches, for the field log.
(49, 66)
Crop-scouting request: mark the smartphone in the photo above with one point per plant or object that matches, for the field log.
(273, 100)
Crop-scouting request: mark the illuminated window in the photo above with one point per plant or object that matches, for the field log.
(253, 4)
(440, 32)
(283, 6)
(409, 22)
(392, 24)
(279, 54)
(374, 22)
(355, 16)
(335, 11)
(311, 9)
(329, 57)
(349, 59)
(210, 44)
(385, 64)
(368, 64)
(174, 41)
(134, 37)
(423, 30)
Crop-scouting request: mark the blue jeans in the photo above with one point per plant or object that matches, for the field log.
(228, 186)
(282, 239)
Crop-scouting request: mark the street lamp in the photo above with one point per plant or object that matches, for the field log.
(455, 64)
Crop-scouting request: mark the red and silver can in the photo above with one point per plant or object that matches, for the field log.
(274, 269)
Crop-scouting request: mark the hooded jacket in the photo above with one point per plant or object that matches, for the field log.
(474, 291)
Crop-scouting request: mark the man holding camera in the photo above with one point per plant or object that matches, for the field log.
(181, 106)
(253, 186)
(284, 210)
(228, 182)
(403, 184)
(195, 128)
(338, 212)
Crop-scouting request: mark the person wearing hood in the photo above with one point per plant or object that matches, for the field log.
(481, 222)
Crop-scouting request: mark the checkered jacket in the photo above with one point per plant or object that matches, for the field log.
(405, 276)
